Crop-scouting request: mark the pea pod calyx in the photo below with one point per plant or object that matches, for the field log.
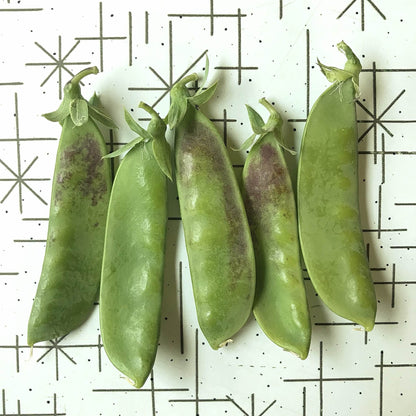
(260, 128)
(155, 134)
(75, 106)
(352, 68)
(180, 96)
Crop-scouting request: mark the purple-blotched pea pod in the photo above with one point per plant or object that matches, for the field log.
(280, 305)
(328, 204)
(69, 282)
(217, 233)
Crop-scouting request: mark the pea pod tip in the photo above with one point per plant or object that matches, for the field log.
(225, 343)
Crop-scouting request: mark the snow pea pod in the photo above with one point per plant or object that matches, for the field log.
(134, 250)
(69, 281)
(280, 305)
(328, 204)
(217, 234)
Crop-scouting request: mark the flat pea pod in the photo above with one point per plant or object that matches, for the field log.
(328, 204)
(217, 235)
(134, 251)
(280, 305)
(69, 282)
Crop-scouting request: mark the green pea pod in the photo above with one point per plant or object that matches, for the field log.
(280, 305)
(133, 261)
(69, 283)
(328, 205)
(217, 234)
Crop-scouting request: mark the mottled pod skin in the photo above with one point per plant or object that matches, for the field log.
(69, 282)
(217, 234)
(328, 205)
(133, 264)
(280, 305)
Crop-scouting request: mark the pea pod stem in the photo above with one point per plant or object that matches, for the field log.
(157, 126)
(147, 108)
(275, 121)
(181, 84)
(93, 70)
(353, 64)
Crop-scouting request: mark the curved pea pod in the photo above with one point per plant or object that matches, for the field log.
(134, 251)
(217, 234)
(328, 204)
(280, 304)
(69, 281)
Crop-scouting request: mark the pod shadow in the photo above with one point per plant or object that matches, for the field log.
(170, 336)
